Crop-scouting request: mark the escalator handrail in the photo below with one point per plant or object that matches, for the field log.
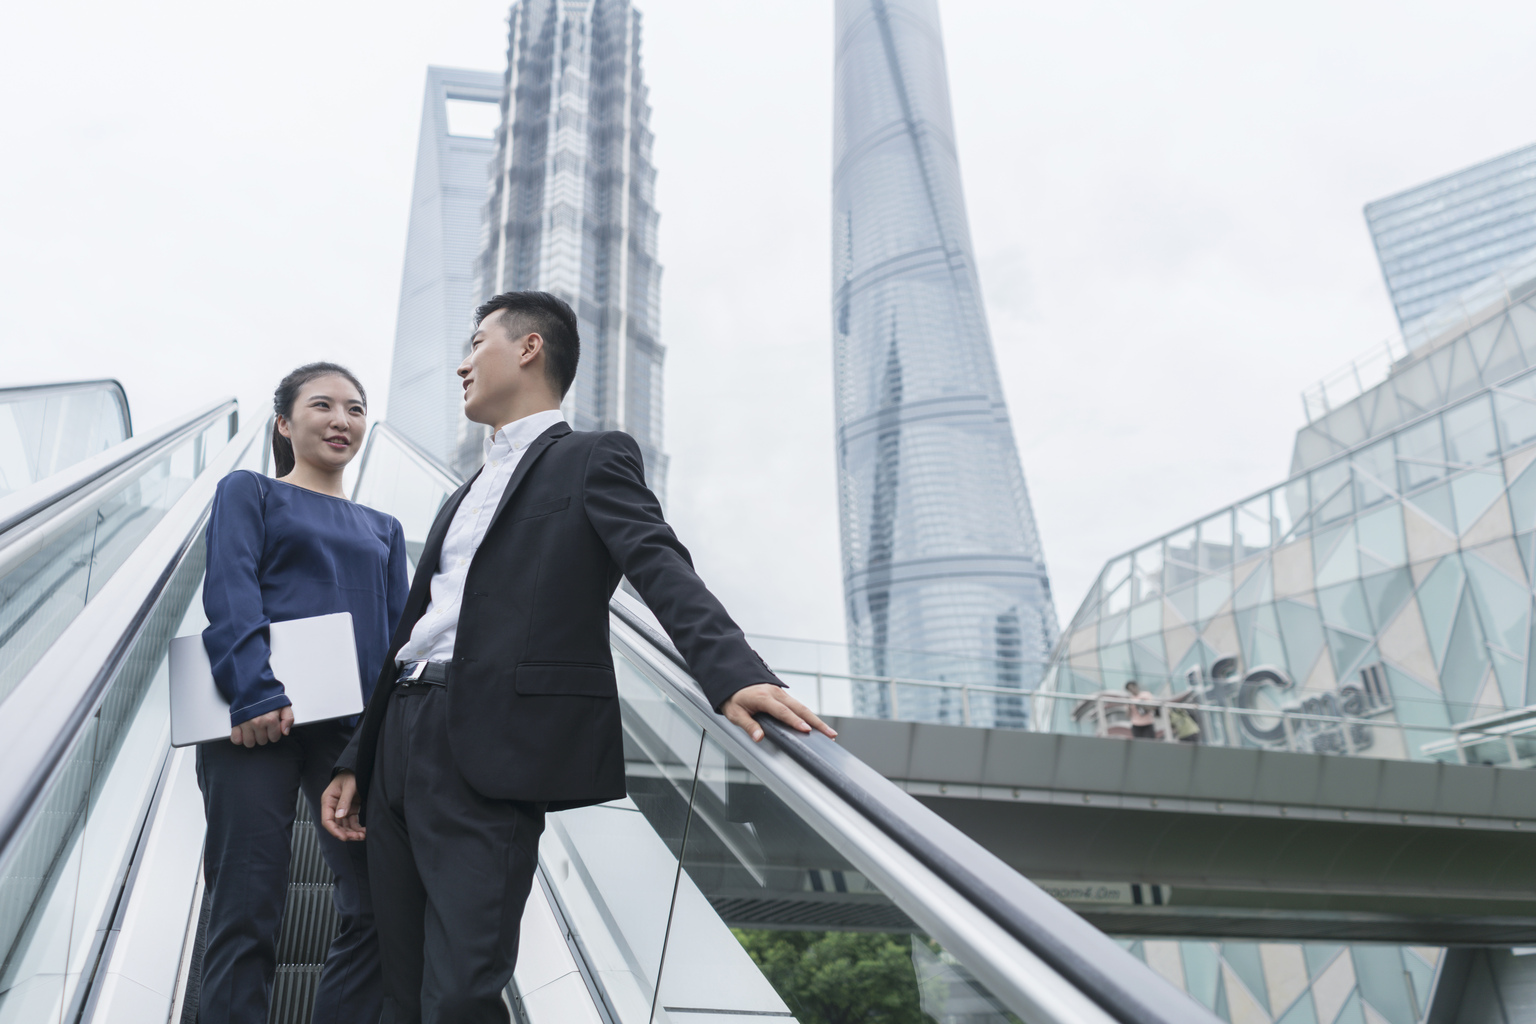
(1084, 956)
(22, 392)
(445, 477)
(31, 503)
(50, 706)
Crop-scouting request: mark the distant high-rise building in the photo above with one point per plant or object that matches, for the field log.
(1441, 238)
(437, 289)
(940, 551)
(571, 207)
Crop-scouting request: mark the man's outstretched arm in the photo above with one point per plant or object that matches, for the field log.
(628, 518)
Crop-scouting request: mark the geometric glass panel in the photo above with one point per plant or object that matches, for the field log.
(1149, 571)
(1473, 492)
(1385, 594)
(1522, 499)
(1348, 651)
(1505, 358)
(1344, 607)
(1375, 480)
(1436, 503)
(1331, 491)
(1253, 528)
(1300, 1013)
(1201, 971)
(1516, 406)
(1181, 559)
(1502, 604)
(1420, 454)
(1470, 439)
(1383, 982)
(1466, 663)
(1439, 596)
(1257, 588)
(1216, 542)
(1243, 958)
(1302, 632)
(1380, 537)
(1341, 562)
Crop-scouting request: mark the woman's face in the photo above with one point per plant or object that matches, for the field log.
(328, 423)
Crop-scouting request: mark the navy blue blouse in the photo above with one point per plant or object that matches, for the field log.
(276, 552)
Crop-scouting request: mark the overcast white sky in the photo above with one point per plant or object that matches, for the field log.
(1165, 200)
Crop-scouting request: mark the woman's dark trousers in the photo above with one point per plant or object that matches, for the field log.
(249, 796)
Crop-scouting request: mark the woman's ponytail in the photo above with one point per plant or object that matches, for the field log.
(282, 404)
(282, 453)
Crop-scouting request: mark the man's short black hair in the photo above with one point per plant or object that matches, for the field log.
(548, 316)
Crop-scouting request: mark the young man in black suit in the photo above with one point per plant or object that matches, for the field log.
(500, 700)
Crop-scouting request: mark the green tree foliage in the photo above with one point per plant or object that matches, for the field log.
(839, 977)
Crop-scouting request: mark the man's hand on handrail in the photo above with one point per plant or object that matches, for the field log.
(766, 697)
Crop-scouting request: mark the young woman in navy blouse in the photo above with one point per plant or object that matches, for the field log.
(284, 549)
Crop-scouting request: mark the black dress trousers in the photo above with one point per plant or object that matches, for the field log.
(451, 869)
(249, 796)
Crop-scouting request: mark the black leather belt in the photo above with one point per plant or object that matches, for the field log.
(422, 673)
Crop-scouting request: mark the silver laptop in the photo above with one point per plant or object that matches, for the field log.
(315, 659)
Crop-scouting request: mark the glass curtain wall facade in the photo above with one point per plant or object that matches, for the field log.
(1408, 558)
(1294, 983)
(1444, 236)
(1390, 579)
(571, 209)
(940, 549)
(437, 295)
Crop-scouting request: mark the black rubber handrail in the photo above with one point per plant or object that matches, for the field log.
(1087, 958)
(115, 458)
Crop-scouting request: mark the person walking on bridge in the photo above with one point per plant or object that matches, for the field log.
(501, 703)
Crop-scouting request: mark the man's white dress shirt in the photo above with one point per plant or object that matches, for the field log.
(433, 636)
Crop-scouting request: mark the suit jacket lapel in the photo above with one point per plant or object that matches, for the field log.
(431, 554)
(539, 446)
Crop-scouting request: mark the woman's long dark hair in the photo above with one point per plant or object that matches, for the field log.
(282, 403)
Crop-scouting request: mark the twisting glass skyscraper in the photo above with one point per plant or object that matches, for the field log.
(940, 550)
(571, 207)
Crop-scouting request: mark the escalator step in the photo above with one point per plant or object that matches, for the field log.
(309, 924)
(293, 994)
(305, 864)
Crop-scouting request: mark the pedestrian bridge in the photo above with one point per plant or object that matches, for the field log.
(1170, 839)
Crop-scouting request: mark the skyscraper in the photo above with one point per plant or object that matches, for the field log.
(571, 207)
(437, 294)
(1441, 238)
(940, 550)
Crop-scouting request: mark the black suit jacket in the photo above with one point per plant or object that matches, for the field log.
(532, 696)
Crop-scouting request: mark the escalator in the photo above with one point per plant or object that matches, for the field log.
(783, 880)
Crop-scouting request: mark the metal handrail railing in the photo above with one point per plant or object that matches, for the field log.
(1494, 728)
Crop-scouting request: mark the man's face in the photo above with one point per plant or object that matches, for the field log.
(495, 371)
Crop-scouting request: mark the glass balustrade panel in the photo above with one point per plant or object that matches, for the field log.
(44, 433)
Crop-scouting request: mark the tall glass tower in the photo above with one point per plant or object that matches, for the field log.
(1438, 239)
(437, 288)
(940, 551)
(571, 208)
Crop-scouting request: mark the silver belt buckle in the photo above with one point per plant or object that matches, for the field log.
(416, 673)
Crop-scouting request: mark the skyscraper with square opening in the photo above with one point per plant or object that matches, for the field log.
(943, 572)
(571, 208)
(437, 289)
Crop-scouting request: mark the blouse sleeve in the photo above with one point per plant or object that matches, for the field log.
(399, 582)
(236, 637)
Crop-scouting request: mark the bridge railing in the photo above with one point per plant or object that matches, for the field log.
(1487, 740)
